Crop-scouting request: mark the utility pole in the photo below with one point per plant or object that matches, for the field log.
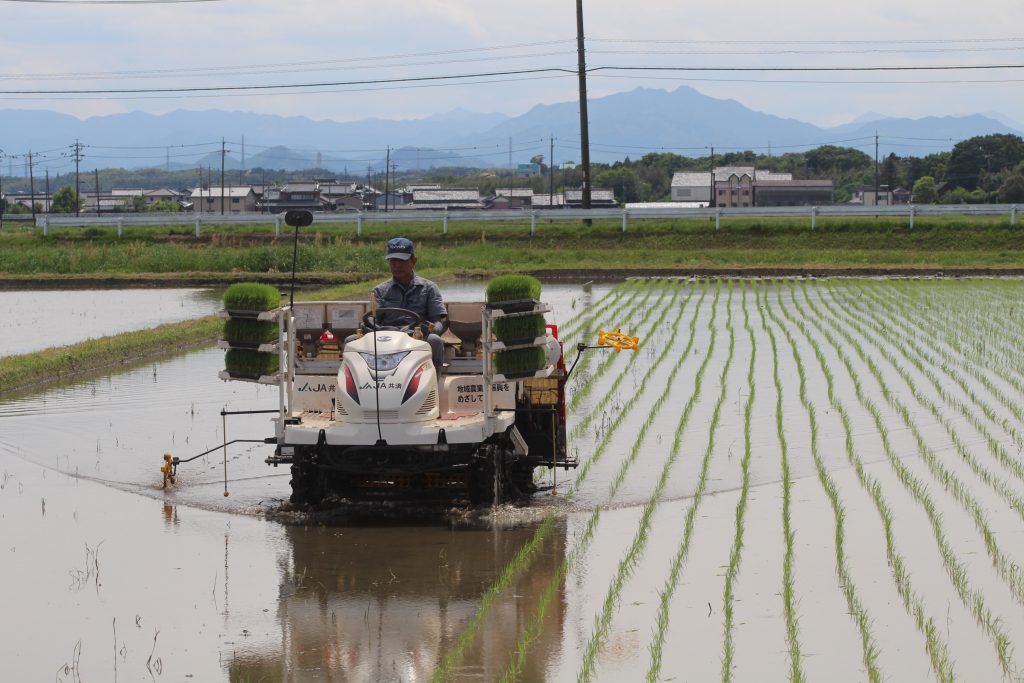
(394, 179)
(77, 149)
(32, 187)
(387, 177)
(551, 173)
(711, 196)
(584, 124)
(46, 203)
(96, 175)
(876, 168)
(223, 153)
(167, 158)
(3, 204)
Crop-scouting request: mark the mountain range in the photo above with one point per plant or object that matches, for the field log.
(628, 124)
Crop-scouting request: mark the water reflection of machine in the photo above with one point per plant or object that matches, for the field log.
(387, 603)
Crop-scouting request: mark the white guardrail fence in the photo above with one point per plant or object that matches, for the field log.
(812, 213)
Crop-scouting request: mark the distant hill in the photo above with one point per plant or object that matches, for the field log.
(630, 124)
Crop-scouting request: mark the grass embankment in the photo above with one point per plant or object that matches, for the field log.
(66, 362)
(477, 246)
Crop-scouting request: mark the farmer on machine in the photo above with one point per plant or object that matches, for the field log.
(408, 290)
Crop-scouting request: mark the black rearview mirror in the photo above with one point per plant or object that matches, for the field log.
(298, 218)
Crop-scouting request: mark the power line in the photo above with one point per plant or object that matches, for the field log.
(276, 65)
(900, 41)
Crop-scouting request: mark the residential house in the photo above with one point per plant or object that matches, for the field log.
(548, 201)
(866, 195)
(734, 186)
(223, 200)
(691, 186)
(518, 197)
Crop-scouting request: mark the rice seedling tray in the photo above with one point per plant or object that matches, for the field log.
(265, 347)
(226, 313)
(512, 344)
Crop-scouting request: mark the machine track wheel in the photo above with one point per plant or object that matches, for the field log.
(522, 478)
(307, 483)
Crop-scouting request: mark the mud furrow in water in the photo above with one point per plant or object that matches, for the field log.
(657, 645)
(509, 572)
(937, 648)
(533, 629)
(923, 362)
(972, 598)
(857, 610)
(919, 337)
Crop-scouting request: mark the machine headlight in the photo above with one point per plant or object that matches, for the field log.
(384, 362)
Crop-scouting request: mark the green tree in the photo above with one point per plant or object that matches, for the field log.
(925, 191)
(1012, 189)
(164, 206)
(829, 159)
(65, 200)
(624, 181)
(138, 203)
(983, 155)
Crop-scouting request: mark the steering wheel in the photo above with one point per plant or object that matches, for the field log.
(371, 322)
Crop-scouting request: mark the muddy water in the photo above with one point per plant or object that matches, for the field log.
(114, 578)
(32, 320)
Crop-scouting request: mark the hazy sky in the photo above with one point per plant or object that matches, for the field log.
(116, 46)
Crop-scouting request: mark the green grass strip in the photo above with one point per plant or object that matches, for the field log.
(869, 647)
(533, 630)
(66, 362)
(938, 651)
(656, 647)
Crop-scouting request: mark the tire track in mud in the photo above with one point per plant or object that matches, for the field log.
(937, 649)
(522, 560)
(972, 598)
(860, 614)
(533, 629)
(922, 361)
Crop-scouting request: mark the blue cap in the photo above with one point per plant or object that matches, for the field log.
(400, 248)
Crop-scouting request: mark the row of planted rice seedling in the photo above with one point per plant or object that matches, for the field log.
(895, 382)
(468, 634)
(972, 598)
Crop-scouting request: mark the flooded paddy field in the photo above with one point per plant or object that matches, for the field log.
(37, 319)
(789, 479)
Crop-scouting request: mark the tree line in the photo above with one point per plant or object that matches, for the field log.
(981, 169)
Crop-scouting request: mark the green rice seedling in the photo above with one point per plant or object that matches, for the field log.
(1007, 570)
(519, 362)
(956, 571)
(515, 667)
(251, 296)
(937, 649)
(247, 363)
(248, 331)
(519, 328)
(682, 552)
(467, 635)
(856, 607)
(735, 554)
(582, 392)
(512, 288)
(595, 311)
(977, 371)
